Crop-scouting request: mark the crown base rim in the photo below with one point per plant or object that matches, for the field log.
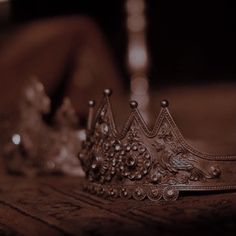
(151, 192)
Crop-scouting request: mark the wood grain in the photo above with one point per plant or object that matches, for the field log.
(57, 206)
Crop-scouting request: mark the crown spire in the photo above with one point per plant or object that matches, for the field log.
(91, 105)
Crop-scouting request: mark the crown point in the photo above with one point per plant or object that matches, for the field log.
(107, 92)
(164, 103)
(133, 104)
(91, 103)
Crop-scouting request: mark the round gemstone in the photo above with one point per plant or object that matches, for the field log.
(104, 128)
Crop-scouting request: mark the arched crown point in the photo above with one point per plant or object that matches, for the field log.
(107, 92)
(133, 104)
(164, 103)
(91, 103)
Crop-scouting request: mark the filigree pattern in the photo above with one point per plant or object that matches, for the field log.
(175, 164)
(128, 158)
(139, 163)
(134, 159)
(100, 151)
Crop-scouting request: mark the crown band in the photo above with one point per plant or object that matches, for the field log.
(142, 163)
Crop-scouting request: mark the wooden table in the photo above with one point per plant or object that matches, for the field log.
(57, 206)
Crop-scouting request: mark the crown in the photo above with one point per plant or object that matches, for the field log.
(139, 162)
(33, 147)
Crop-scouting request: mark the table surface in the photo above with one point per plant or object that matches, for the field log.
(54, 205)
(57, 206)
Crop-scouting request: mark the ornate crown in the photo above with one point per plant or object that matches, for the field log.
(138, 162)
(32, 146)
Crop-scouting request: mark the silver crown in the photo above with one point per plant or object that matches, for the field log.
(140, 162)
(33, 146)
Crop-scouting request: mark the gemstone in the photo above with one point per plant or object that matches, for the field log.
(104, 128)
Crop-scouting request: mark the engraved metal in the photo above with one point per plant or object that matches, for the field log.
(140, 162)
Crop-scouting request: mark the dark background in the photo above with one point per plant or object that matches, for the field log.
(188, 41)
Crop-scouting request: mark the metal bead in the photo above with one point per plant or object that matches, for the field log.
(122, 153)
(145, 172)
(141, 150)
(130, 161)
(164, 103)
(170, 193)
(107, 92)
(148, 163)
(155, 178)
(117, 148)
(91, 103)
(215, 171)
(94, 166)
(128, 148)
(139, 194)
(81, 156)
(154, 194)
(108, 178)
(139, 176)
(133, 104)
(147, 156)
(104, 128)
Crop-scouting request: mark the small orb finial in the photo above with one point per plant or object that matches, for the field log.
(91, 103)
(107, 92)
(164, 103)
(133, 104)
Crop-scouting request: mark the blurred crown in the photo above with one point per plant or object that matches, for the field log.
(34, 147)
(139, 162)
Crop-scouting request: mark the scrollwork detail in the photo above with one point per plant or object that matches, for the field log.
(175, 164)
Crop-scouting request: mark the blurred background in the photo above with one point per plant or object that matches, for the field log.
(188, 41)
(189, 48)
